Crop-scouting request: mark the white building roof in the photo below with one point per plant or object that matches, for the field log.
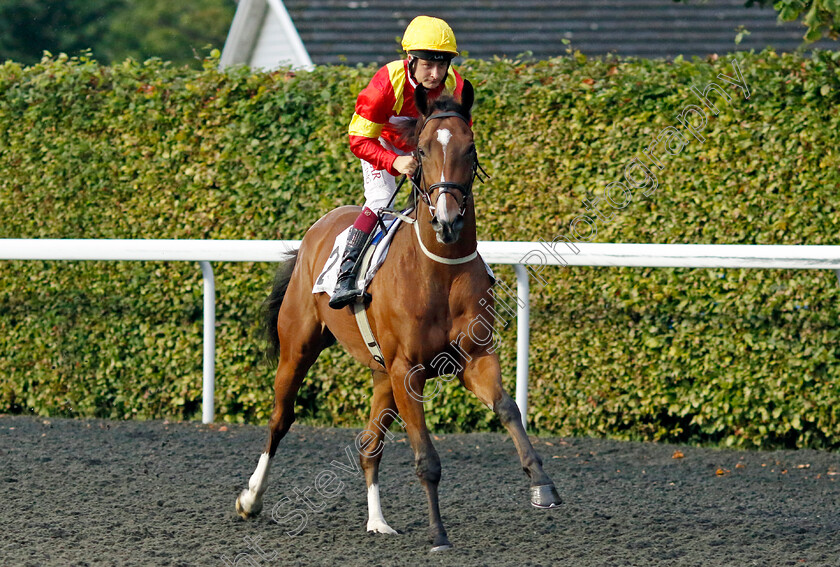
(263, 36)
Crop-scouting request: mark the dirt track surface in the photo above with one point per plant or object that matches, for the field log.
(154, 493)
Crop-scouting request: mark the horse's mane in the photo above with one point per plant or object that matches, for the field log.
(409, 130)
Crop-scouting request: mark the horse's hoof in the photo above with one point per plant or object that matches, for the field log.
(544, 496)
(242, 513)
(255, 509)
(440, 541)
(380, 527)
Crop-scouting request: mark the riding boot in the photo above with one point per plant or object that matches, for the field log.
(345, 290)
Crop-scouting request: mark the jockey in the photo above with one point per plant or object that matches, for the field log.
(375, 140)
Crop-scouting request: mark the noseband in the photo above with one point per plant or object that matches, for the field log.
(446, 187)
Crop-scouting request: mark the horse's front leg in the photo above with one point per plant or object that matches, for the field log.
(383, 411)
(407, 383)
(483, 377)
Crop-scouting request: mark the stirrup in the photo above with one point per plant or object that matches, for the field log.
(340, 302)
(346, 293)
(344, 296)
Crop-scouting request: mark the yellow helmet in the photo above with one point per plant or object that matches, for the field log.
(429, 38)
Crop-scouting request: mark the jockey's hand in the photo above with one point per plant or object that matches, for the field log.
(406, 165)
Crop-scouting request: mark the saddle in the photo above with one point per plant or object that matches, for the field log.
(371, 261)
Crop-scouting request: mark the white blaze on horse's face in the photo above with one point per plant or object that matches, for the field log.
(443, 136)
(444, 212)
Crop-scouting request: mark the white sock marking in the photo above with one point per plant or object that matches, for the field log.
(376, 521)
(256, 484)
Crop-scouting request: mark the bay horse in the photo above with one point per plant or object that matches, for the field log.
(427, 298)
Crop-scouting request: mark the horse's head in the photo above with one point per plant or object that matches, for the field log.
(447, 160)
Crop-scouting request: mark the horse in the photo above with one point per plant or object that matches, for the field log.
(426, 301)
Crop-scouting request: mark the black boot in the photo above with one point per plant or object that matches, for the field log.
(345, 290)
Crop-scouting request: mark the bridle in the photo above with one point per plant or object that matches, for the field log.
(446, 187)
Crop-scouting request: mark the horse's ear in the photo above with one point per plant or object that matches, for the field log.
(421, 100)
(467, 96)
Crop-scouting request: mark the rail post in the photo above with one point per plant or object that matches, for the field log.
(523, 338)
(209, 366)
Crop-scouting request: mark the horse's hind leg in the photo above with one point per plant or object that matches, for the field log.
(383, 411)
(483, 377)
(301, 344)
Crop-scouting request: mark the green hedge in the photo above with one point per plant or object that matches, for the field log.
(146, 150)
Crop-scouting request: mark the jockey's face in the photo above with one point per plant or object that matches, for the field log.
(430, 74)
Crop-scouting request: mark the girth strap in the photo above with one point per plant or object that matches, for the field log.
(360, 312)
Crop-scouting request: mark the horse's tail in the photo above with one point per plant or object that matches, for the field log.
(271, 306)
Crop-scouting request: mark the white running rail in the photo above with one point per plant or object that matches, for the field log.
(527, 258)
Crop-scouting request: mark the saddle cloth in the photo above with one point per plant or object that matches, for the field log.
(381, 243)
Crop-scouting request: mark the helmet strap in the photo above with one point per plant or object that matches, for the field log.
(412, 66)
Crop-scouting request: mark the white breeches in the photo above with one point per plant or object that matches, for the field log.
(380, 186)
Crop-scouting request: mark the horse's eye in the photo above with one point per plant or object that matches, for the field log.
(421, 152)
